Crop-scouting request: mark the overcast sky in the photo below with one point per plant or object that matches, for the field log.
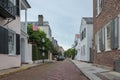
(64, 17)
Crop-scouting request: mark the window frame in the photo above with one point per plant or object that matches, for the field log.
(106, 39)
(14, 52)
(99, 8)
(97, 42)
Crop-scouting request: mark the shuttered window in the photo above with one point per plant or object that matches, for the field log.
(114, 33)
(18, 7)
(3, 40)
(102, 39)
(17, 44)
(11, 42)
(108, 30)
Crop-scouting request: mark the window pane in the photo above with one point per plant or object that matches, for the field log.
(108, 36)
(11, 43)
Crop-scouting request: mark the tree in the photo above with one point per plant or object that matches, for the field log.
(36, 38)
(70, 53)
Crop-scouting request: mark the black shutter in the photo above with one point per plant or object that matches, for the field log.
(112, 34)
(116, 34)
(17, 44)
(3, 40)
(18, 7)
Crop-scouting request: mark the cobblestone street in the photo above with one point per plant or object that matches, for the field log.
(62, 70)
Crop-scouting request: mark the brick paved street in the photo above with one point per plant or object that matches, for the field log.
(63, 70)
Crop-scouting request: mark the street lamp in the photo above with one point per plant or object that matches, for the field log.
(43, 48)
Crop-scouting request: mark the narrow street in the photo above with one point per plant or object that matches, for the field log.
(62, 70)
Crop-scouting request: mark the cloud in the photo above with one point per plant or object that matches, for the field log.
(64, 16)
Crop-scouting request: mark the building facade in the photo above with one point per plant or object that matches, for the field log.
(77, 46)
(86, 37)
(55, 43)
(106, 46)
(25, 48)
(10, 33)
(43, 25)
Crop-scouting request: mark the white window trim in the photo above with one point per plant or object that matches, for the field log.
(12, 54)
(97, 42)
(98, 8)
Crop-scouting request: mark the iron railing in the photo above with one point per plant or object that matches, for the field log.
(8, 6)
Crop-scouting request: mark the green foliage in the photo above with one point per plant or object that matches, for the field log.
(37, 54)
(36, 38)
(34, 53)
(70, 53)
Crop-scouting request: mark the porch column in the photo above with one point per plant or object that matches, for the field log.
(26, 20)
(26, 50)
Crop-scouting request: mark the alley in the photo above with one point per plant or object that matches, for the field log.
(62, 70)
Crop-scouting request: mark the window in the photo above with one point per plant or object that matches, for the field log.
(12, 43)
(108, 39)
(102, 39)
(99, 6)
(97, 42)
(83, 34)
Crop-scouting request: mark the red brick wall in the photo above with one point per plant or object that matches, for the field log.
(110, 10)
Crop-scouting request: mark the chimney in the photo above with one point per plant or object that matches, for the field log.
(40, 20)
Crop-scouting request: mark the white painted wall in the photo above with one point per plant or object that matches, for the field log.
(46, 29)
(26, 50)
(29, 59)
(87, 42)
(6, 60)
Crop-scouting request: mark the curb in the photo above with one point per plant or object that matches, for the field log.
(17, 70)
(22, 68)
(89, 76)
(81, 70)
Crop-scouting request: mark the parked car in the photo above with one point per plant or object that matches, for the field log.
(60, 58)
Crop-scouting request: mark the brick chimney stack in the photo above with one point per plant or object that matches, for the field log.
(40, 20)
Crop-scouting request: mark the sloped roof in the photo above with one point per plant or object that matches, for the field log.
(89, 20)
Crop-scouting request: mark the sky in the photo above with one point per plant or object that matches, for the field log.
(64, 17)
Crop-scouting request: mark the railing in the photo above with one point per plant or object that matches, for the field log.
(8, 6)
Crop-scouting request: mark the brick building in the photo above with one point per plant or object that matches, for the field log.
(106, 41)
